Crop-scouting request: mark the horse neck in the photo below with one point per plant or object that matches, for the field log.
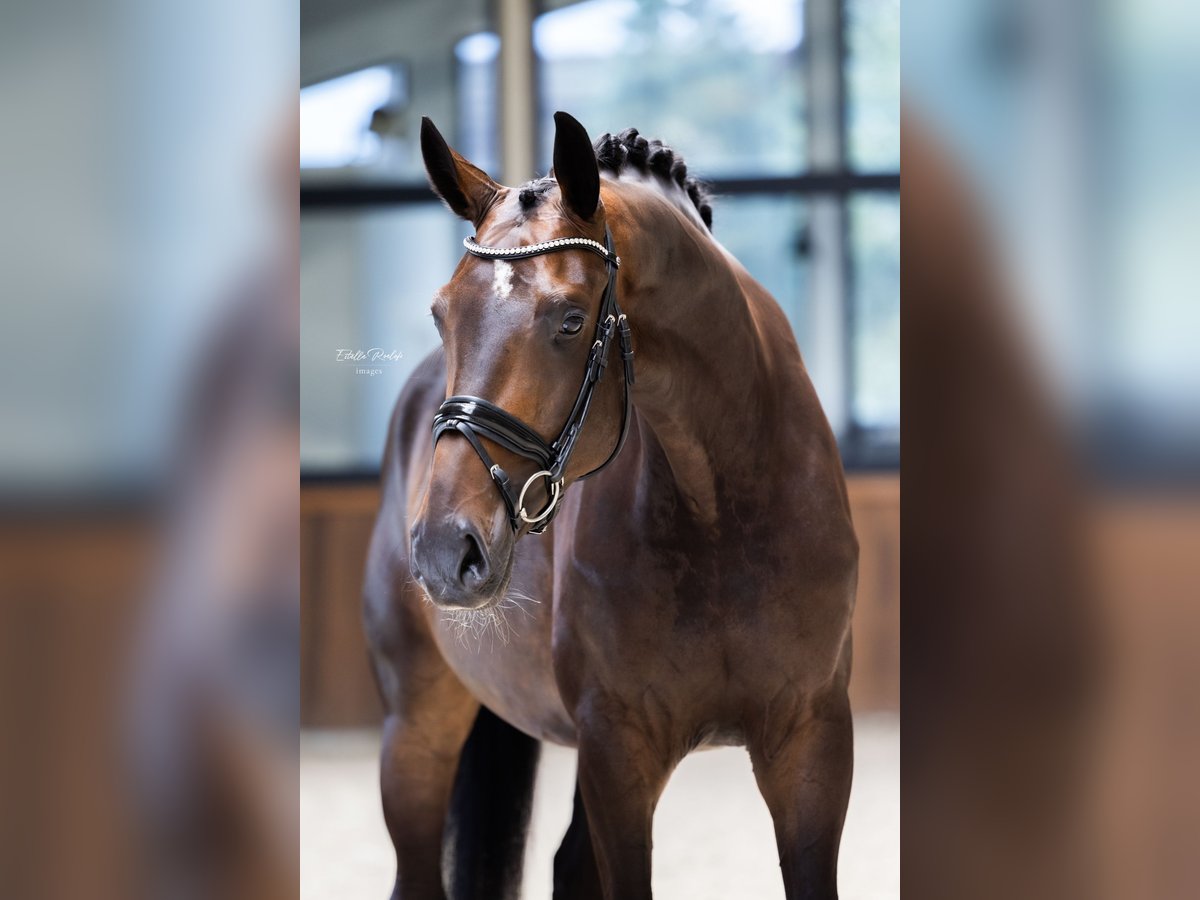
(701, 359)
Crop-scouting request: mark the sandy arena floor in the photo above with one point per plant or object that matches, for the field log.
(712, 835)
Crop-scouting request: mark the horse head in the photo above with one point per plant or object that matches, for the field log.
(527, 314)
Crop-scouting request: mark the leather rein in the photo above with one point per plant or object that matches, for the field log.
(475, 418)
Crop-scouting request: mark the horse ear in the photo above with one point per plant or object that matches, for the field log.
(467, 190)
(575, 166)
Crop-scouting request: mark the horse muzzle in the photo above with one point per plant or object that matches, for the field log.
(457, 565)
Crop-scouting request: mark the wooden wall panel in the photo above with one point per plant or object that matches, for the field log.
(336, 521)
(337, 686)
(875, 679)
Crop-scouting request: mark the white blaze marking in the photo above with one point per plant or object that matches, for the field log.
(502, 280)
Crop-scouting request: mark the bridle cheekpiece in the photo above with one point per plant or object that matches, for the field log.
(475, 418)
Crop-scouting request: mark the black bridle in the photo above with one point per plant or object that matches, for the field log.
(475, 418)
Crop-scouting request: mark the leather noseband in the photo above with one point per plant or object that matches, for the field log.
(475, 418)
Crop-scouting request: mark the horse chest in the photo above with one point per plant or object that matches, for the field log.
(507, 666)
(710, 620)
(684, 625)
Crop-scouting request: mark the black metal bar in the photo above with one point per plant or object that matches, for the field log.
(814, 183)
(346, 196)
(849, 298)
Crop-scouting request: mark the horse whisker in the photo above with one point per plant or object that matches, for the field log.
(480, 623)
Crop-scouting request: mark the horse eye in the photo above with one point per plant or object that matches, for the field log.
(572, 324)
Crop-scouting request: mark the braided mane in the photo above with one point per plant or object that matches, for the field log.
(629, 150)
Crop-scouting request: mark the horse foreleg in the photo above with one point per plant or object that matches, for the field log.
(803, 769)
(575, 874)
(621, 775)
(422, 739)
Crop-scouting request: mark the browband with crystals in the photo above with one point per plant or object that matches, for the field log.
(475, 418)
(544, 247)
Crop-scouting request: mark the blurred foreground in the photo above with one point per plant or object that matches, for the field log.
(1052, 515)
(149, 615)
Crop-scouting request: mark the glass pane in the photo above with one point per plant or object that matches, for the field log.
(875, 248)
(370, 71)
(367, 278)
(773, 236)
(769, 234)
(336, 117)
(718, 80)
(478, 137)
(873, 84)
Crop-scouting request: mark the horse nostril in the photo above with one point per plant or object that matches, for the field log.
(473, 570)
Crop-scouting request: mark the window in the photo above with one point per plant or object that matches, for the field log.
(872, 37)
(790, 108)
(366, 280)
(875, 316)
(341, 119)
(374, 242)
(720, 79)
(478, 60)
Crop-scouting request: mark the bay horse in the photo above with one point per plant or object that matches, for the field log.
(696, 593)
